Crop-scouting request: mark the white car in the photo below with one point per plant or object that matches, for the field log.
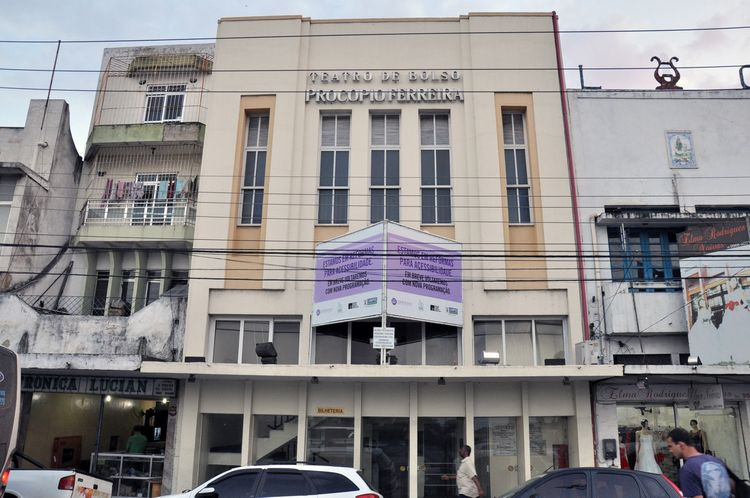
(271, 481)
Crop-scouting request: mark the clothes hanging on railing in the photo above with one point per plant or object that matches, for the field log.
(120, 190)
(128, 191)
(137, 190)
(171, 188)
(107, 191)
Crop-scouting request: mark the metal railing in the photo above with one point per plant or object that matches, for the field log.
(140, 212)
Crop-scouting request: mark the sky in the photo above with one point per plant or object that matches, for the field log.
(133, 19)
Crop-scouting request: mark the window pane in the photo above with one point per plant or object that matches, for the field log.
(173, 110)
(283, 483)
(325, 206)
(524, 207)
(518, 129)
(258, 207)
(441, 130)
(330, 440)
(329, 482)
(326, 168)
(4, 214)
(342, 169)
(426, 130)
(510, 167)
(408, 350)
(342, 132)
(392, 167)
(328, 131)
(611, 484)
(263, 137)
(548, 439)
(513, 205)
(377, 167)
(653, 488)
(238, 484)
(252, 132)
(221, 434)
(392, 130)
(249, 169)
(565, 486)
(247, 206)
(153, 288)
(385, 454)
(507, 129)
(253, 333)
(518, 348)
(362, 350)
(378, 130)
(392, 204)
(441, 344)
(7, 187)
(443, 158)
(488, 336)
(443, 205)
(549, 340)
(260, 169)
(428, 205)
(437, 441)
(428, 167)
(340, 204)
(331, 343)
(286, 342)
(377, 205)
(521, 166)
(275, 439)
(226, 341)
(154, 106)
(496, 453)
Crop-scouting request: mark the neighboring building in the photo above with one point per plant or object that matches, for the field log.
(663, 180)
(115, 290)
(312, 138)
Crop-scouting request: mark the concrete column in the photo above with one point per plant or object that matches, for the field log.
(188, 441)
(413, 439)
(524, 439)
(581, 428)
(744, 422)
(469, 423)
(115, 277)
(357, 425)
(166, 271)
(89, 286)
(139, 290)
(605, 420)
(247, 425)
(302, 422)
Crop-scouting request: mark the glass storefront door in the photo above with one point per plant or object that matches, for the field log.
(496, 453)
(385, 454)
(439, 439)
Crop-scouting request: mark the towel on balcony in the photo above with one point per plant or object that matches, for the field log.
(120, 191)
(128, 191)
(107, 191)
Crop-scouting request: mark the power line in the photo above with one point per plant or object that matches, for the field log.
(385, 34)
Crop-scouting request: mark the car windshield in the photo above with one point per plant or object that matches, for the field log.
(509, 494)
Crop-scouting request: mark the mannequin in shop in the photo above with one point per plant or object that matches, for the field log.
(700, 441)
(644, 447)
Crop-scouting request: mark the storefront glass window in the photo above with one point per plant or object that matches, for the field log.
(437, 451)
(548, 440)
(330, 440)
(385, 454)
(715, 432)
(221, 444)
(274, 439)
(496, 453)
(331, 343)
(642, 432)
(441, 344)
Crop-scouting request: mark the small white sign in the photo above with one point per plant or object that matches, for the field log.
(383, 337)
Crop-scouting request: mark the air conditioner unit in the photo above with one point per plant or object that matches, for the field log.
(589, 353)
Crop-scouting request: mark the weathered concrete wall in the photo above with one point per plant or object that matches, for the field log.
(92, 342)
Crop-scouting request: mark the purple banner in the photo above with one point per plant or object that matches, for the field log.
(424, 269)
(349, 269)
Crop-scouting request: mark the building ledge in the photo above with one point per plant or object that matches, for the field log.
(390, 373)
(144, 134)
(68, 362)
(734, 369)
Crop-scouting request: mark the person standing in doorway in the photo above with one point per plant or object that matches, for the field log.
(701, 475)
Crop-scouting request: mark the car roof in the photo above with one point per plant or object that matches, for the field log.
(299, 466)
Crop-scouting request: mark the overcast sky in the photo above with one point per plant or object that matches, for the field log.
(107, 19)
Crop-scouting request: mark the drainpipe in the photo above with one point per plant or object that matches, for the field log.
(571, 178)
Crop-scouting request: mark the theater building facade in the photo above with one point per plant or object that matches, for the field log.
(380, 204)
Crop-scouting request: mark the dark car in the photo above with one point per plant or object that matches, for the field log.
(596, 483)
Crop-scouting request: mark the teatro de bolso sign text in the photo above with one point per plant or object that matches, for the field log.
(331, 92)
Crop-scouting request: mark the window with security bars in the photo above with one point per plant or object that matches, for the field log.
(436, 168)
(256, 149)
(384, 168)
(333, 190)
(164, 103)
(518, 187)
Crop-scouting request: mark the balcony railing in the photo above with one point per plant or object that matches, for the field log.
(142, 212)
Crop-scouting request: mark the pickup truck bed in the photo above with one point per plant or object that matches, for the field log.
(46, 483)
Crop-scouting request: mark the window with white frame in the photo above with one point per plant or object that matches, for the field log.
(333, 191)
(164, 103)
(256, 149)
(384, 167)
(436, 168)
(235, 339)
(520, 341)
(518, 187)
(7, 188)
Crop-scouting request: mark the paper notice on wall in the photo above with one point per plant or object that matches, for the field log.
(504, 439)
(537, 443)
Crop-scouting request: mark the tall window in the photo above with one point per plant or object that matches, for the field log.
(520, 342)
(256, 149)
(235, 340)
(164, 103)
(384, 168)
(99, 304)
(516, 168)
(333, 192)
(153, 286)
(7, 187)
(645, 255)
(436, 168)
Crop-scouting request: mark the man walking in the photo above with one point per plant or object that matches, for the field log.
(466, 477)
(701, 476)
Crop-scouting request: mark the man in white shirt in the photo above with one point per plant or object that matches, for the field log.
(466, 477)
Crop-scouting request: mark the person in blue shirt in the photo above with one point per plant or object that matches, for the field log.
(701, 476)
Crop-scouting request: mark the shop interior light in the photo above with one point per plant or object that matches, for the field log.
(642, 383)
(108, 398)
(164, 401)
(490, 357)
(266, 352)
